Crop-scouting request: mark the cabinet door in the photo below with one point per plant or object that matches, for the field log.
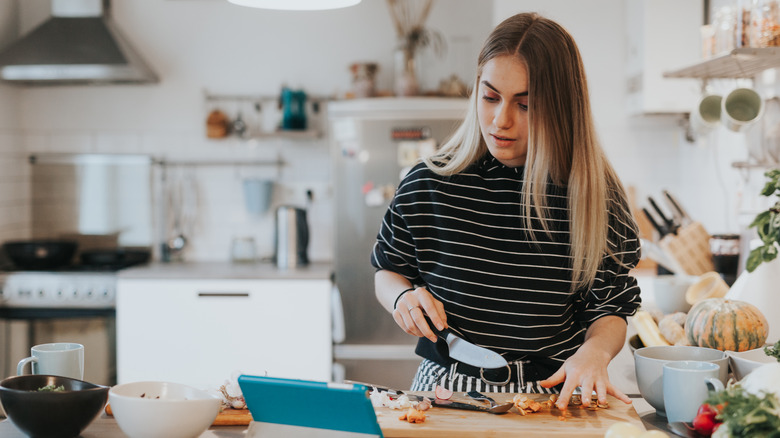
(198, 332)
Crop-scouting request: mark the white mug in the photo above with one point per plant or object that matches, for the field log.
(686, 385)
(706, 117)
(58, 359)
(741, 108)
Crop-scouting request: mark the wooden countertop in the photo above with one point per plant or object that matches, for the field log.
(227, 270)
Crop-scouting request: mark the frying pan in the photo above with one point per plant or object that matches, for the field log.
(116, 258)
(40, 254)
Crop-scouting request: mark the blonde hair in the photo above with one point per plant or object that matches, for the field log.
(562, 144)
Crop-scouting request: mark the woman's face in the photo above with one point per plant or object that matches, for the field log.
(503, 109)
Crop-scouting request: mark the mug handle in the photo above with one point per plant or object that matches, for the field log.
(714, 384)
(23, 362)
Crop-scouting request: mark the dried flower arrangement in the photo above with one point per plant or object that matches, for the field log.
(409, 18)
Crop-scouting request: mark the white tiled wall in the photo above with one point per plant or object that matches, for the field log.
(221, 214)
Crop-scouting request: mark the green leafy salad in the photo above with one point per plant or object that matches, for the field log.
(51, 388)
(746, 415)
(773, 351)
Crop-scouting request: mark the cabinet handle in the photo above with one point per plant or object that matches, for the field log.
(223, 294)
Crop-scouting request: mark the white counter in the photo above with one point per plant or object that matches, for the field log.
(227, 270)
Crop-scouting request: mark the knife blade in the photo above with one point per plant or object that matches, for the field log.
(466, 352)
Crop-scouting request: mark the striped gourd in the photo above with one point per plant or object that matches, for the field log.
(725, 324)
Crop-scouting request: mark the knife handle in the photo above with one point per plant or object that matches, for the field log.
(668, 223)
(442, 334)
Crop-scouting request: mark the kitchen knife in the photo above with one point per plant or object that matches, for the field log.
(677, 207)
(669, 224)
(467, 352)
(661, 230)
(457, 405)
(389, 391)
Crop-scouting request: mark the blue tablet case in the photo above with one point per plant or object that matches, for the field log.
(319, 405)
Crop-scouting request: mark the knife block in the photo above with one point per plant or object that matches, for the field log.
(690, 248)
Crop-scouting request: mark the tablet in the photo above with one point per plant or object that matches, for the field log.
(330, 407)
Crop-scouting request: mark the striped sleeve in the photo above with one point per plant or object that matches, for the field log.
(394, 249)
(614, 290)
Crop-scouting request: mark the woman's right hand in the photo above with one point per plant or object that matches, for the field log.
(411, 310)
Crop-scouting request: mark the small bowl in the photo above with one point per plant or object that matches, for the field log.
(634, 343)
(162, 409)
(56, 414)
(649, 366)
(744, 362)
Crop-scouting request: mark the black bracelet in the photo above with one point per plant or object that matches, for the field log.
(395, 304)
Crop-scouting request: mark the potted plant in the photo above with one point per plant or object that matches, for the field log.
(767, 224)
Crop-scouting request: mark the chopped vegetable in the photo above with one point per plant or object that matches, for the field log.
(773, 351)
(442, 393)
(413, 416)
(51, 388)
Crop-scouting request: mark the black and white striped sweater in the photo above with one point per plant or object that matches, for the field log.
(464, 238)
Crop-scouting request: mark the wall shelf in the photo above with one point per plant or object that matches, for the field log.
(177, 163)
(254, 105)
(745, 62)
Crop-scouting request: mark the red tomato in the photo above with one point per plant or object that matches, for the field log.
(707, 409)
(704, 423)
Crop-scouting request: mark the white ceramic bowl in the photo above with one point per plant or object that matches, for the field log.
(744, 362)
(162, 409)
(649, 366)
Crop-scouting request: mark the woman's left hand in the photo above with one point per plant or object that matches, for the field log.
(587, 368)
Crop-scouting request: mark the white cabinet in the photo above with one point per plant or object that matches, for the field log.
(197, 332)
(662, 35)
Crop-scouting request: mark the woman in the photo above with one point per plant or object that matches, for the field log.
(516, 235)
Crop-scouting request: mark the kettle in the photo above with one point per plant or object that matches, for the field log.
(291, 243)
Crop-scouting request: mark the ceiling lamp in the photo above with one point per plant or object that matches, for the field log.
(296, 5)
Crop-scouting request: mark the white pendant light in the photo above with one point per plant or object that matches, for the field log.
(296, 5)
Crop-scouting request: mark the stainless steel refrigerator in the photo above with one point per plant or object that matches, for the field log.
(373, 143)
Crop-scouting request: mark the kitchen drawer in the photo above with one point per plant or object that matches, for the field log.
(198, 332)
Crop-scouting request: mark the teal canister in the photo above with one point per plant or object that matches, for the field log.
(293, 109)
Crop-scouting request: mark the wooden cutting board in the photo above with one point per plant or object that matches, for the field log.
(454, 423)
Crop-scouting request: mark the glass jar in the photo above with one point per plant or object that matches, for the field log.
(765, 23)
(363, 79)
(724, 23)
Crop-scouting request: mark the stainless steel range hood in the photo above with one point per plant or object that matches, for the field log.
(78, 45)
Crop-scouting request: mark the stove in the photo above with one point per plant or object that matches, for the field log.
(62, 290)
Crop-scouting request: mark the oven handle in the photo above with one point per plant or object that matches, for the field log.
(223, 294)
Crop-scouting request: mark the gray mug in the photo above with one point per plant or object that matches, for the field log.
(686, 385)
(57, 359)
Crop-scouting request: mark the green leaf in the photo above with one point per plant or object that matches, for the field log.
(760, 219)
(755, 258)
(769, 188)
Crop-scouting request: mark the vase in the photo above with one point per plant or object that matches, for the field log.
(761, 288)
(406, 74)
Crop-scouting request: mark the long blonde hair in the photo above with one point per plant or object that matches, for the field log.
(562, 144)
